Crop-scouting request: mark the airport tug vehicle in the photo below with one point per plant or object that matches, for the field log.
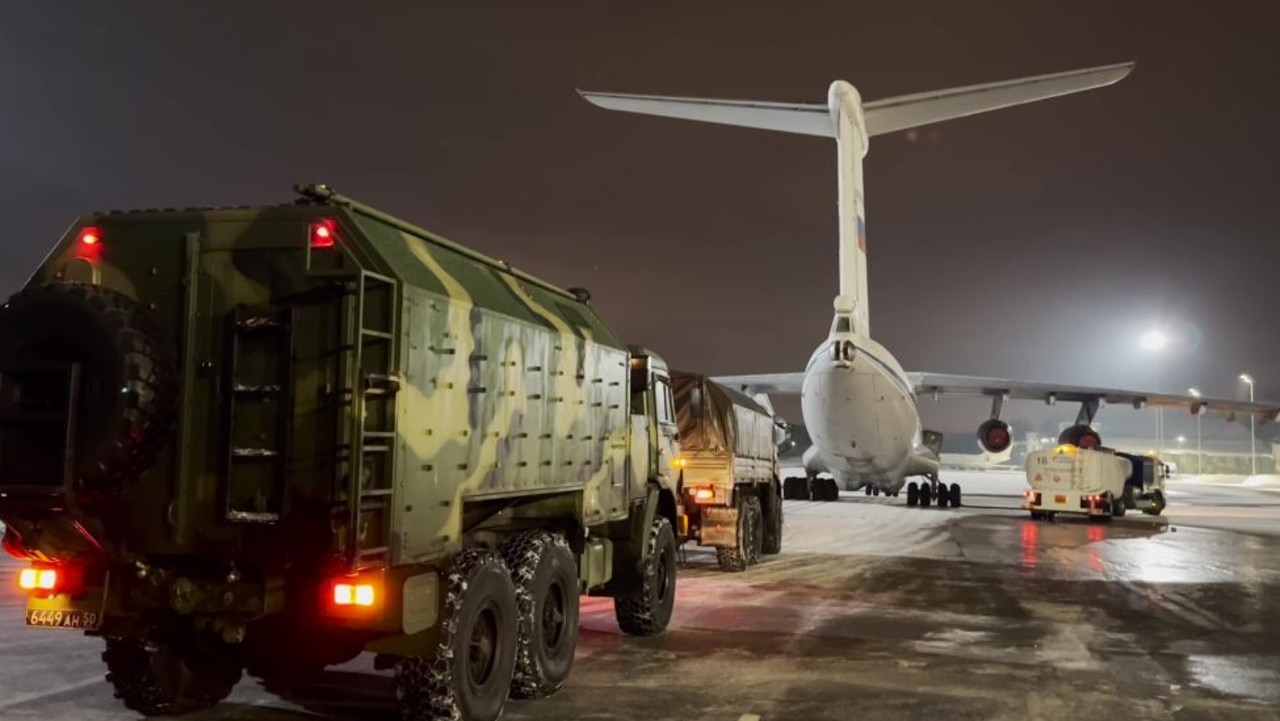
(1098, 482)
(266, 439)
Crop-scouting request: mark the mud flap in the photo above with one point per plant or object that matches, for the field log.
(720, 526)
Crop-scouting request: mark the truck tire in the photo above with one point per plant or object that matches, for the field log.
(647, 611)
(545, 574)
(750, 541)
(170, 677)
(129, 382)
(1157, 504)
(469, 675)
(772, 543)
(1118, 508)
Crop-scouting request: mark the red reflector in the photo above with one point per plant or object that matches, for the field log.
(324, 233)
(90, 236)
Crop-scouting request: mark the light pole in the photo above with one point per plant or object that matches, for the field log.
(1195, 393)
(1154, 341)
(1253, 448)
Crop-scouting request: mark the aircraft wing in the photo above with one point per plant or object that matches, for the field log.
(785, 384)
(942, 384)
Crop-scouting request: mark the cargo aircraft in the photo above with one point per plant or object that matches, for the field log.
(859, 405)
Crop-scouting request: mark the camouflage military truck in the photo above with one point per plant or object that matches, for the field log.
(271, 438)
(729, 491)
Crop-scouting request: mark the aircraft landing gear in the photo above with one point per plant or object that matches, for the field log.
(824, 489)
(923, 495)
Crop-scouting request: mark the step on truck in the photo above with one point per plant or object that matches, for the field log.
(730, 498)
(268, 439)
(1100, 483)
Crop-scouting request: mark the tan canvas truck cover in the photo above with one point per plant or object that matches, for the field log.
(717, 424)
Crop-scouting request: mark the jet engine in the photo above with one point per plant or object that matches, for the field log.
(1081, 436)
(995, 436)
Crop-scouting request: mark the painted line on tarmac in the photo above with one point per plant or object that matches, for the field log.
(64, 688)
(748, 717)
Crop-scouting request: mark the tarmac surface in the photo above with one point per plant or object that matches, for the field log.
(872, 611)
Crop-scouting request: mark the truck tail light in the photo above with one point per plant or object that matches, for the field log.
(354, 594)
(46, 580)
(38, 579)
(704, 495)
(324, 233)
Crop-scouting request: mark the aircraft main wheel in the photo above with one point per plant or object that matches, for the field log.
(926, 495)
(955, 495)
(940, 495)
(875, 490)
(825, 489)
(866, 490)
(795, 489)
(913, 494)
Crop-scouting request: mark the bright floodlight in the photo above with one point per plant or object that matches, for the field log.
(1195, 392)
(1154, 340)
(1181, 439)
(1246, 378)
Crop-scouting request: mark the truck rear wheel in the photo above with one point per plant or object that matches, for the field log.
(750, 537)
(647, 611)
(772, 543)
(172, 676)
(545, 574)
(470, 674)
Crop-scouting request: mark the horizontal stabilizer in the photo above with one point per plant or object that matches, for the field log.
(784, 384)
(908, 111)
(882, 116)
(785, 117)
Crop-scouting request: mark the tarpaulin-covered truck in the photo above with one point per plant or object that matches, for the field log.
(1100, 483)
(729, 491)
(271, 438)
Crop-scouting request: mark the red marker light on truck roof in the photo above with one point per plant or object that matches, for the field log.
(90, 236)
(324, 233)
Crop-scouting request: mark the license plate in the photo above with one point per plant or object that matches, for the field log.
(70, 618)
(1059, 499)
(83, 613)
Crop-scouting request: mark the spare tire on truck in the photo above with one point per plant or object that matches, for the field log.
(128, 386)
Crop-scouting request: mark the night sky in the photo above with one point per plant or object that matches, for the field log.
(1037, 242)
